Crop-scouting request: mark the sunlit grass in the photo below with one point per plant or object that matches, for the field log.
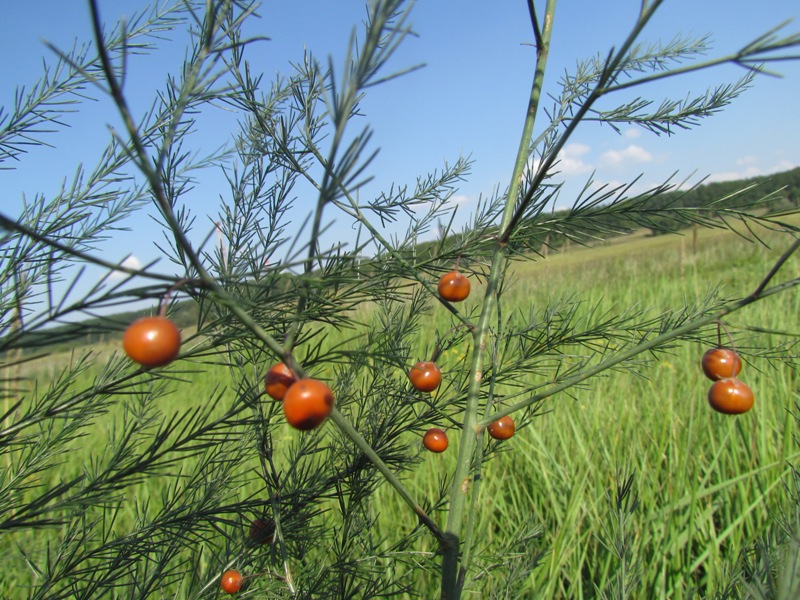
(708, 483)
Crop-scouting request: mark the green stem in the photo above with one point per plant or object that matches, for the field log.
(477, 478)
(471, 433)
(609, 73)
(390, 477)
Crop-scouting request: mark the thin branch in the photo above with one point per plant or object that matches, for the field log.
(11, 225)
(537, 30)
(775, 268)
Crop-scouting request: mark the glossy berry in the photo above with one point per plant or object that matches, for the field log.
(721, 363)
(152, 341)
(425, 376)
(307, 403)
(435, 440)
(454, 286)
(262, 531)
(503, 428)
(278, 379)
(730, 397)
(231, 581)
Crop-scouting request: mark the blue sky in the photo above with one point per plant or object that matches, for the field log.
(468, 100)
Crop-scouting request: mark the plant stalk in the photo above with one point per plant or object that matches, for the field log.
(470, 432)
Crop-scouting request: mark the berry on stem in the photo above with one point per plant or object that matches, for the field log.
(502, 429)
(454, 286)
(279, 378)
(152, 341)
(730, 397)
(435, 440)
(307, 403)
(231, 581)
(425, 376)
(262, 531)
(721, 363)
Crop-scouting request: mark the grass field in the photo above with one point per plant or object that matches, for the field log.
(707, 484)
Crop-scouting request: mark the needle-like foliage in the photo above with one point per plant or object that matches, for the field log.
(125, 481)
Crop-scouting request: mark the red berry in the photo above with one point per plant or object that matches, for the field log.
(231, 581)
(278, 379)
(435, 440)
(721, 363)
(425, 376)
(454, 286)
(730, 397)
(152, 341)
(307, 403)
(503, 428)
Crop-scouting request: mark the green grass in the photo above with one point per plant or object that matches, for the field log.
(707, 483)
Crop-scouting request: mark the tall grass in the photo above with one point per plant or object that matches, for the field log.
(706, 483)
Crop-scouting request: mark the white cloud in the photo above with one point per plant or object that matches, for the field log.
(130, 263)
(458, 199)
(749, 169)
(783, 165)
(575, 149)
(631, 154)
(733, 175)
(570, 161)
(632, 133)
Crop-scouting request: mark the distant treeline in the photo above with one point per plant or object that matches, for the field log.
(186, 313)
(758, 188)
(763, 191)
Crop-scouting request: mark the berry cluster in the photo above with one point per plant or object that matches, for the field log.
(306, 402)
(425, 376)
(156, 341)
(727, 395)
